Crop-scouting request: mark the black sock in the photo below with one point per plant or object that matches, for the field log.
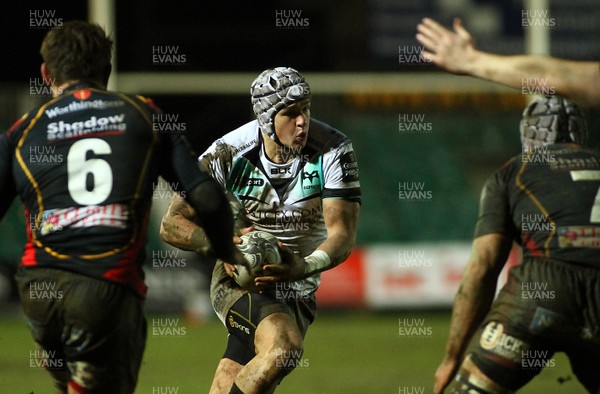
(235, 389)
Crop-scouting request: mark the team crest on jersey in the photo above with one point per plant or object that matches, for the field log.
(82, 94)
(310, 175)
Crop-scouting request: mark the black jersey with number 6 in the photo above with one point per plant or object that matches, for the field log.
(549, 201)
(85, 165)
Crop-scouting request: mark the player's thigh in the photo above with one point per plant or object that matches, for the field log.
(94, 327)
(244, 318)
(104, 335)
(278, 331)
(42, 292)
(506, 356)
(511, 348)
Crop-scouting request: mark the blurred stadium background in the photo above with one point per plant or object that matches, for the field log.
(384, 314)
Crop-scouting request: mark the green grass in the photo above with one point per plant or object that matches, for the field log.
(344, 353)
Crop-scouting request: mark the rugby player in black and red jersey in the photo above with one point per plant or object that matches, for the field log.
(548, 200)
(84, 165)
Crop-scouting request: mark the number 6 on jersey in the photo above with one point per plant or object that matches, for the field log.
(79, 168)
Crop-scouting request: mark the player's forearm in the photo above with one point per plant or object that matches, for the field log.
(182, 233)
(341, 219)
(536, 74)
(338, 247)
(471, 304)
(507, 70)
(332, 252)
(214, 213)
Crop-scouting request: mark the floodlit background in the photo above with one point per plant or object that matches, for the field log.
(384, 314)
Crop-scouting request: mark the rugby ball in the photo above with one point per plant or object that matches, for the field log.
(259, 248)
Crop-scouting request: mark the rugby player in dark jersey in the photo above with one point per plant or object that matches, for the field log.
(548, 200)
(84, 165)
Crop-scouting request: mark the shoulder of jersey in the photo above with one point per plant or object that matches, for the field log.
(148, 101)
(323, 137)
(16, 125)
(513, 161)
(510, 167)
(242, 139)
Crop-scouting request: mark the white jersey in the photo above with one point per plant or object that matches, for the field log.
(286, 199)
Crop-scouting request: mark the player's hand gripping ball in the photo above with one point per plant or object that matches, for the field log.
(259, 248)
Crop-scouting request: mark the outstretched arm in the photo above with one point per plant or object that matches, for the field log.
(472, 301)
(455, 52)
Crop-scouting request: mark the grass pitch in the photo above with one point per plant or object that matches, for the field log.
(356, 352)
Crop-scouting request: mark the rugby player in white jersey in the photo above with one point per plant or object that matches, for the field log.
(298, 183)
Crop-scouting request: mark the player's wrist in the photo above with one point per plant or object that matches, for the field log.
(475, 62)
(316, 262)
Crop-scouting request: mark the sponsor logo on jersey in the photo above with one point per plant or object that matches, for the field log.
(495, 340)
(579, 237)
(82, 105)
(575, 163)
(281, 171)
(241, 148)
(238, 326)
(288, 214)
(349, 167)
(308, 187)
(112, 215)
(255, 182)
(82, 94)
(63, 130)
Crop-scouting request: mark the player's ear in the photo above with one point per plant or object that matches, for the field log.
(46, 76)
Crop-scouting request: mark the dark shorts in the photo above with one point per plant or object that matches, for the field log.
(93, 327)
(248, 311)
(545, 307)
